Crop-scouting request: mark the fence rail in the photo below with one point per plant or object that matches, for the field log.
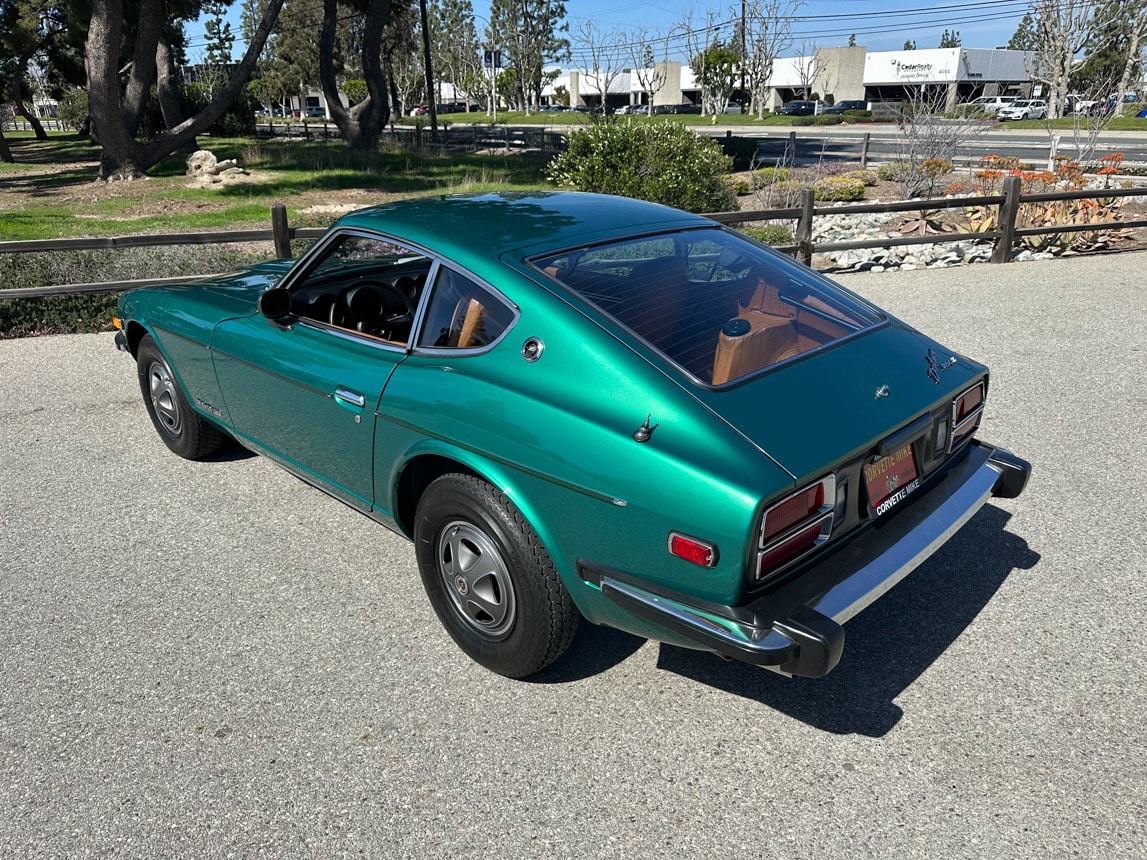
(281, 234)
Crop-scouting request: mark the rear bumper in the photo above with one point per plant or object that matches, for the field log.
(796, 630)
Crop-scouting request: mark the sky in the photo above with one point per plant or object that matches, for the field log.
(879, 25)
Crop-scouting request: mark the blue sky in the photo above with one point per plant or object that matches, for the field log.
(879, 25)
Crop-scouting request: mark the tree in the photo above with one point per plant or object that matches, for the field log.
(296, 52)
(808, 67)
(852, 40)
(651, 75)
(26, 29)
(1062, 29)
(1137, 40)
(117, 106)
(217, 30)
(767, 33)
(909, 45)
(604, 50)
(715, 69)
(1113, 50)
(950, 39)
(530, 31)
(454, 45)
(1024, 38)
(362, 123)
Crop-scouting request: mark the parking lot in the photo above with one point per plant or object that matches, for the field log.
(215, 660)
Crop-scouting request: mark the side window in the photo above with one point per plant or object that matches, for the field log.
(366, 284)
(462, 314)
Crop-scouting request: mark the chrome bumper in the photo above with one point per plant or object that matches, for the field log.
(796, 630)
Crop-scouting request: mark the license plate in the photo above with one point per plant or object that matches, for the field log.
(891, 479)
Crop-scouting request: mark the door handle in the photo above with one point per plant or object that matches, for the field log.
(349, 399)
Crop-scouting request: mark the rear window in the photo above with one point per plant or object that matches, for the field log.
(715, 304)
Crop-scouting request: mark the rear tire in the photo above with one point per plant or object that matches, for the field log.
(489, 579)
(181, 428)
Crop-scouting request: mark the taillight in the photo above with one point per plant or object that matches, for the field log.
(795, 526)
(967, 409)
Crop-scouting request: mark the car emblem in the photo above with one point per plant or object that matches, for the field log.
(935, 365)
(460, 584)
(882, 391)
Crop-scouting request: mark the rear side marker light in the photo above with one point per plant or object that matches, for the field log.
(967, 410)
(692, 550)
(796, 525)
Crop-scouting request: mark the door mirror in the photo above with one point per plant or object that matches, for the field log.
(274, 304)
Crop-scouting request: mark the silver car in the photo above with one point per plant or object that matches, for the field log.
(1027, 109)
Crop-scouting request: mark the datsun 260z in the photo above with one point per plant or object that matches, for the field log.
(588, 407)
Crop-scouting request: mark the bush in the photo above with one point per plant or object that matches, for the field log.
(740, 186)
(92, 312)
(770, 234)
(828, 119)
(866, 176)
(893, 171)
(663, 163)
(804, 120)
(839, 188)
(773, 174)
(73, 108)
(857, 115)
(741, 149)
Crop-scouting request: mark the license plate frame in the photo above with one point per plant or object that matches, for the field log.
(890, 480)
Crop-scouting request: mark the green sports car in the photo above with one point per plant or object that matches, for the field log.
(581, 406)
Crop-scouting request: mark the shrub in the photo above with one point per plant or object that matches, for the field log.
(92, 312)
(741, 149)
(828, 119)
(892, 171)
(804, 120)
(770, 234)
(857, 115)
(866, 176)
(73, 108)
(740, 186)
(839, 188)
(773, 174)
(663, 163)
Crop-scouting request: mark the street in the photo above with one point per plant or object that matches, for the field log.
(216, 660)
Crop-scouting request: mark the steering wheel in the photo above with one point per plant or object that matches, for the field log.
(396, 307)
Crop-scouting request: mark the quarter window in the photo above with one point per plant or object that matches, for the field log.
(463, 314)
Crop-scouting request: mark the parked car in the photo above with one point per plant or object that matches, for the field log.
(1024, 109)
(584, 406)
(846, 105)
(1142, 114)
(797, 108)
(990, 104)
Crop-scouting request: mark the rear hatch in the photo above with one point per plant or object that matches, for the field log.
(839, 403)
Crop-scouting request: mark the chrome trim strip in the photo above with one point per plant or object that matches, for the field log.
(846, 599)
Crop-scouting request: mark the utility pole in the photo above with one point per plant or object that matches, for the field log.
(744, 55)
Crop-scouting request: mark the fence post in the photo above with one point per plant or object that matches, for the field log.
(791, 150)
(804, 227)
(281, 231)
(864, 150)
(1009, 209)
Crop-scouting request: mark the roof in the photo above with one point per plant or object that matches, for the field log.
(476, 229)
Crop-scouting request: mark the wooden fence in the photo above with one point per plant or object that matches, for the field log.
(281, 234)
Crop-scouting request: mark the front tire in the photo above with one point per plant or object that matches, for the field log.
(181, 428)
(489, 579)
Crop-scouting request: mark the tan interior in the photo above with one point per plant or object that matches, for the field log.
(467, 321)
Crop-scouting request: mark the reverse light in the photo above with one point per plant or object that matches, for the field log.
(693, 550)
(795, 526)
(967, 410)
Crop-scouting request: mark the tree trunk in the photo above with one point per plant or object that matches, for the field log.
(5, 151)
(17, 84)
(361, 124)
(115, 112)
(167, 86)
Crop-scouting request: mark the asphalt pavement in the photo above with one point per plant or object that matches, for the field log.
(215, 660)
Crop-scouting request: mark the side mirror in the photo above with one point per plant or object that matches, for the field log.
(275, 305)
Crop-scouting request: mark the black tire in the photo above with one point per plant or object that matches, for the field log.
(489, 578)
(181, 428)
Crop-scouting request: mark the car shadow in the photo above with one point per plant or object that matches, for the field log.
(230, 452)
(594, 650)
(888, 645)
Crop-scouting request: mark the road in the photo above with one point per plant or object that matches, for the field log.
(214, 660)
(845, 143)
